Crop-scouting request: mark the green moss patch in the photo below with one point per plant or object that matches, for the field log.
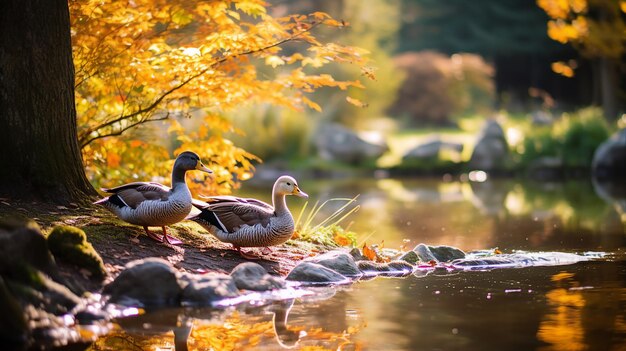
(70, 244)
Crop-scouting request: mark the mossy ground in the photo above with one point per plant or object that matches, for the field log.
(118, 242)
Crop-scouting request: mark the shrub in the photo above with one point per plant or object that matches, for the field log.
(438, 87)
(573, 139)
(580, 134)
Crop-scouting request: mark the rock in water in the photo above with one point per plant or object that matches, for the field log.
(150, 282)
(252, 276)
(339, 261)
(491, 151)
(207, 289)
(313, 273)
(609, 160)
(338, 143)
(441, 253)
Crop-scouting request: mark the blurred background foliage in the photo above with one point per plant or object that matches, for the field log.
(550, 72)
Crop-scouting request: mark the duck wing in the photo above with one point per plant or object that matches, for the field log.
(235, 212)
(133, 194)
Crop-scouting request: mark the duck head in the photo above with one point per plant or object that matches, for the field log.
(287, 185)
(189, 161)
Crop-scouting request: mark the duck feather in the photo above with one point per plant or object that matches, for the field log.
(234, 212)
(134, 194)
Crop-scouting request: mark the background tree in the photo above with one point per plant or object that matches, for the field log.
(597, 29)
(509, 34)
(40, 155)
(143, 68)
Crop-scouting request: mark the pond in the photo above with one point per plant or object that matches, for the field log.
(571, 307)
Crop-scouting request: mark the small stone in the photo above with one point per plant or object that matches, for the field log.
(207, 289)
(252, 276)
(338, 261)
(423, 253)
(445, 253)
(313, 273)
(441, 253)
(369, 267)
(410, 256)
(400, 266)
(357, 255)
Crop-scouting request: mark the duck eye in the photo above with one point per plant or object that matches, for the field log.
(288, 183)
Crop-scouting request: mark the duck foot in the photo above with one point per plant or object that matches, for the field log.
(165, 238)
(246, 255)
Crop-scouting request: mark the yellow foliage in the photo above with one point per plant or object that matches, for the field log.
(597, 28)
(173, 68)
(563, 69)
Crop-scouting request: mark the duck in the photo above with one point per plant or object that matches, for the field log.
(246, 222)
(151, 204)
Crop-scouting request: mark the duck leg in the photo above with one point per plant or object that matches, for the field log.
(245, 255)
(165, 238)
(168, 239)
(151, 235)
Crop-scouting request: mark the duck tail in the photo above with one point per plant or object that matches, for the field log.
(113, 200)
(208, 218)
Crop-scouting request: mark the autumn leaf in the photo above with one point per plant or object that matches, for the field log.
(369, 252)
(342, 239)
(356, 102)
(296, 235)
(113, 159)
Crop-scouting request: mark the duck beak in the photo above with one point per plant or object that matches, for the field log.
(300, 193)
(203, 168)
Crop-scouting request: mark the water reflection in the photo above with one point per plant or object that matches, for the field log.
(510, 214)
(319, 320)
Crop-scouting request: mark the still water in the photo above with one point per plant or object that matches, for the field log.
(572, 307)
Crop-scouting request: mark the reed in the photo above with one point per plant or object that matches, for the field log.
(328, 231)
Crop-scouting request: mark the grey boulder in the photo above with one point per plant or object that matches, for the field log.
(252, 276)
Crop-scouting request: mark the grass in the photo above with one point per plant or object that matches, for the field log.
(327, 232)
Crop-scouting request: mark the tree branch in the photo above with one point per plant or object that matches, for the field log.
(84, 138)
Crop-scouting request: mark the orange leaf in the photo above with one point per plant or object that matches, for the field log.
(369, 252)
(356, 102)
(342, 240)
(113, 159)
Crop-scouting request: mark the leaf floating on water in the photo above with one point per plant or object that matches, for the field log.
(497, 251)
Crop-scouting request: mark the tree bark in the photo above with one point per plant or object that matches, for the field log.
(39, 152)
(608, 88)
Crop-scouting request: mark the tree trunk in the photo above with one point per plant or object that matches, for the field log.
(608, 88)
(39, 153)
